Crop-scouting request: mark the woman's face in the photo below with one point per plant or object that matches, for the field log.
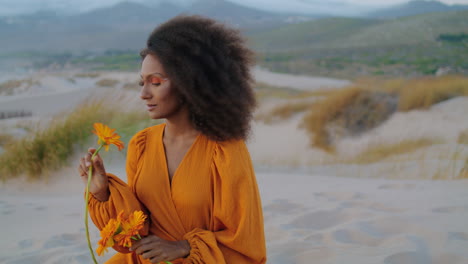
(160, 97)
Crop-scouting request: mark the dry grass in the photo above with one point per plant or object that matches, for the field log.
(87, 75)
(325, 111)
(49, 149)
(463, 137)
(107, 83)
(6, 139)
(284, 111)
(464, 171)
(131, 86)
(379, 152)
(423, 93)
(412, 94)
(8, 87)
(420, 93)
(263, 90)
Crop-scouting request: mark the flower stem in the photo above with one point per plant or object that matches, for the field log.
(90, 175)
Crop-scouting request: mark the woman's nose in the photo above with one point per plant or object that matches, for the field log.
(145, 93)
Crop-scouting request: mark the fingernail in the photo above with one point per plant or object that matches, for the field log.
(88, 163)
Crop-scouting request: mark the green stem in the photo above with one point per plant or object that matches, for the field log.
(90, 175)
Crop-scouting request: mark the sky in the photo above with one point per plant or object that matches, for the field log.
(12, 7)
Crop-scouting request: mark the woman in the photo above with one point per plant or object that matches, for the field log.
(193, 174)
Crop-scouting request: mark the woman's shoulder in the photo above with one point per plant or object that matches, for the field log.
(232, 161)
(230, 150)
(139, 139)
(230, 145)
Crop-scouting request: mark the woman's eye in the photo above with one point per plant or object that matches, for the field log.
(155, 81)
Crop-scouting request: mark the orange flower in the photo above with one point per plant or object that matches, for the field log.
(107, 136)
(130, 228)
(107, 236)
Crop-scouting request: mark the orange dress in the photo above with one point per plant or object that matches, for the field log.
(212, 202)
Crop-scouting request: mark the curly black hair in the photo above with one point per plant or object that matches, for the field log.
(208, 64)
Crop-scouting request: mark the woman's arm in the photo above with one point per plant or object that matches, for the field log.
(238, 235)
(121, 196)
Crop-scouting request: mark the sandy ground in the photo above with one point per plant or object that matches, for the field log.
(313, 214)
(308, 219)
(300, 82)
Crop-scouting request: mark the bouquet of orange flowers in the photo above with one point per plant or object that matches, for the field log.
(121, 231)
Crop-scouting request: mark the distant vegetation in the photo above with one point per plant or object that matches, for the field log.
(453, 37)
(352, 47)
(418, 45)
(111, 60)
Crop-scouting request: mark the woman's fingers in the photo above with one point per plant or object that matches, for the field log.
(85, 162)
(81, 168)
(97, 162)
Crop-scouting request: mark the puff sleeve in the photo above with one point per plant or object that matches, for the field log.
(122, 196)
(238, 233)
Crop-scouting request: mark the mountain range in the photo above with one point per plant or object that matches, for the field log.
(126, 25)
(414, 8)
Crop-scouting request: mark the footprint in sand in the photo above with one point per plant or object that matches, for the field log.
(457, 236)
(372, 206)
(315, 240)
(356, 237)
(24, 244)
(73, 215)
(6, 208)
(449, 258)
(319, 220)
(35, 206)
(340, 196)
(63, 240)
(451, 209)
(384, 227)
(283, 206)
(397, 186)
(408, 257)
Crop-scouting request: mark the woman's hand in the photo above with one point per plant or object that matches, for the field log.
(99, 186)
(156, 249)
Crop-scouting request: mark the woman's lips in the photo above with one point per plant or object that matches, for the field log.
(150, 107)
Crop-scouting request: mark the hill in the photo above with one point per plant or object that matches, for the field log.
(361, 32)
(414, 8)
(123, 26)
(344, 47)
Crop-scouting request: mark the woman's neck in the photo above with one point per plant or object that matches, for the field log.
(179, 126)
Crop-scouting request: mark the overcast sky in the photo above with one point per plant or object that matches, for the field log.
(10, 7)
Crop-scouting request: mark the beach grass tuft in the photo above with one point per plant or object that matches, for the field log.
(378, 152)
(107, 83)
(47, 149)
(283, 112)
(350, 107)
